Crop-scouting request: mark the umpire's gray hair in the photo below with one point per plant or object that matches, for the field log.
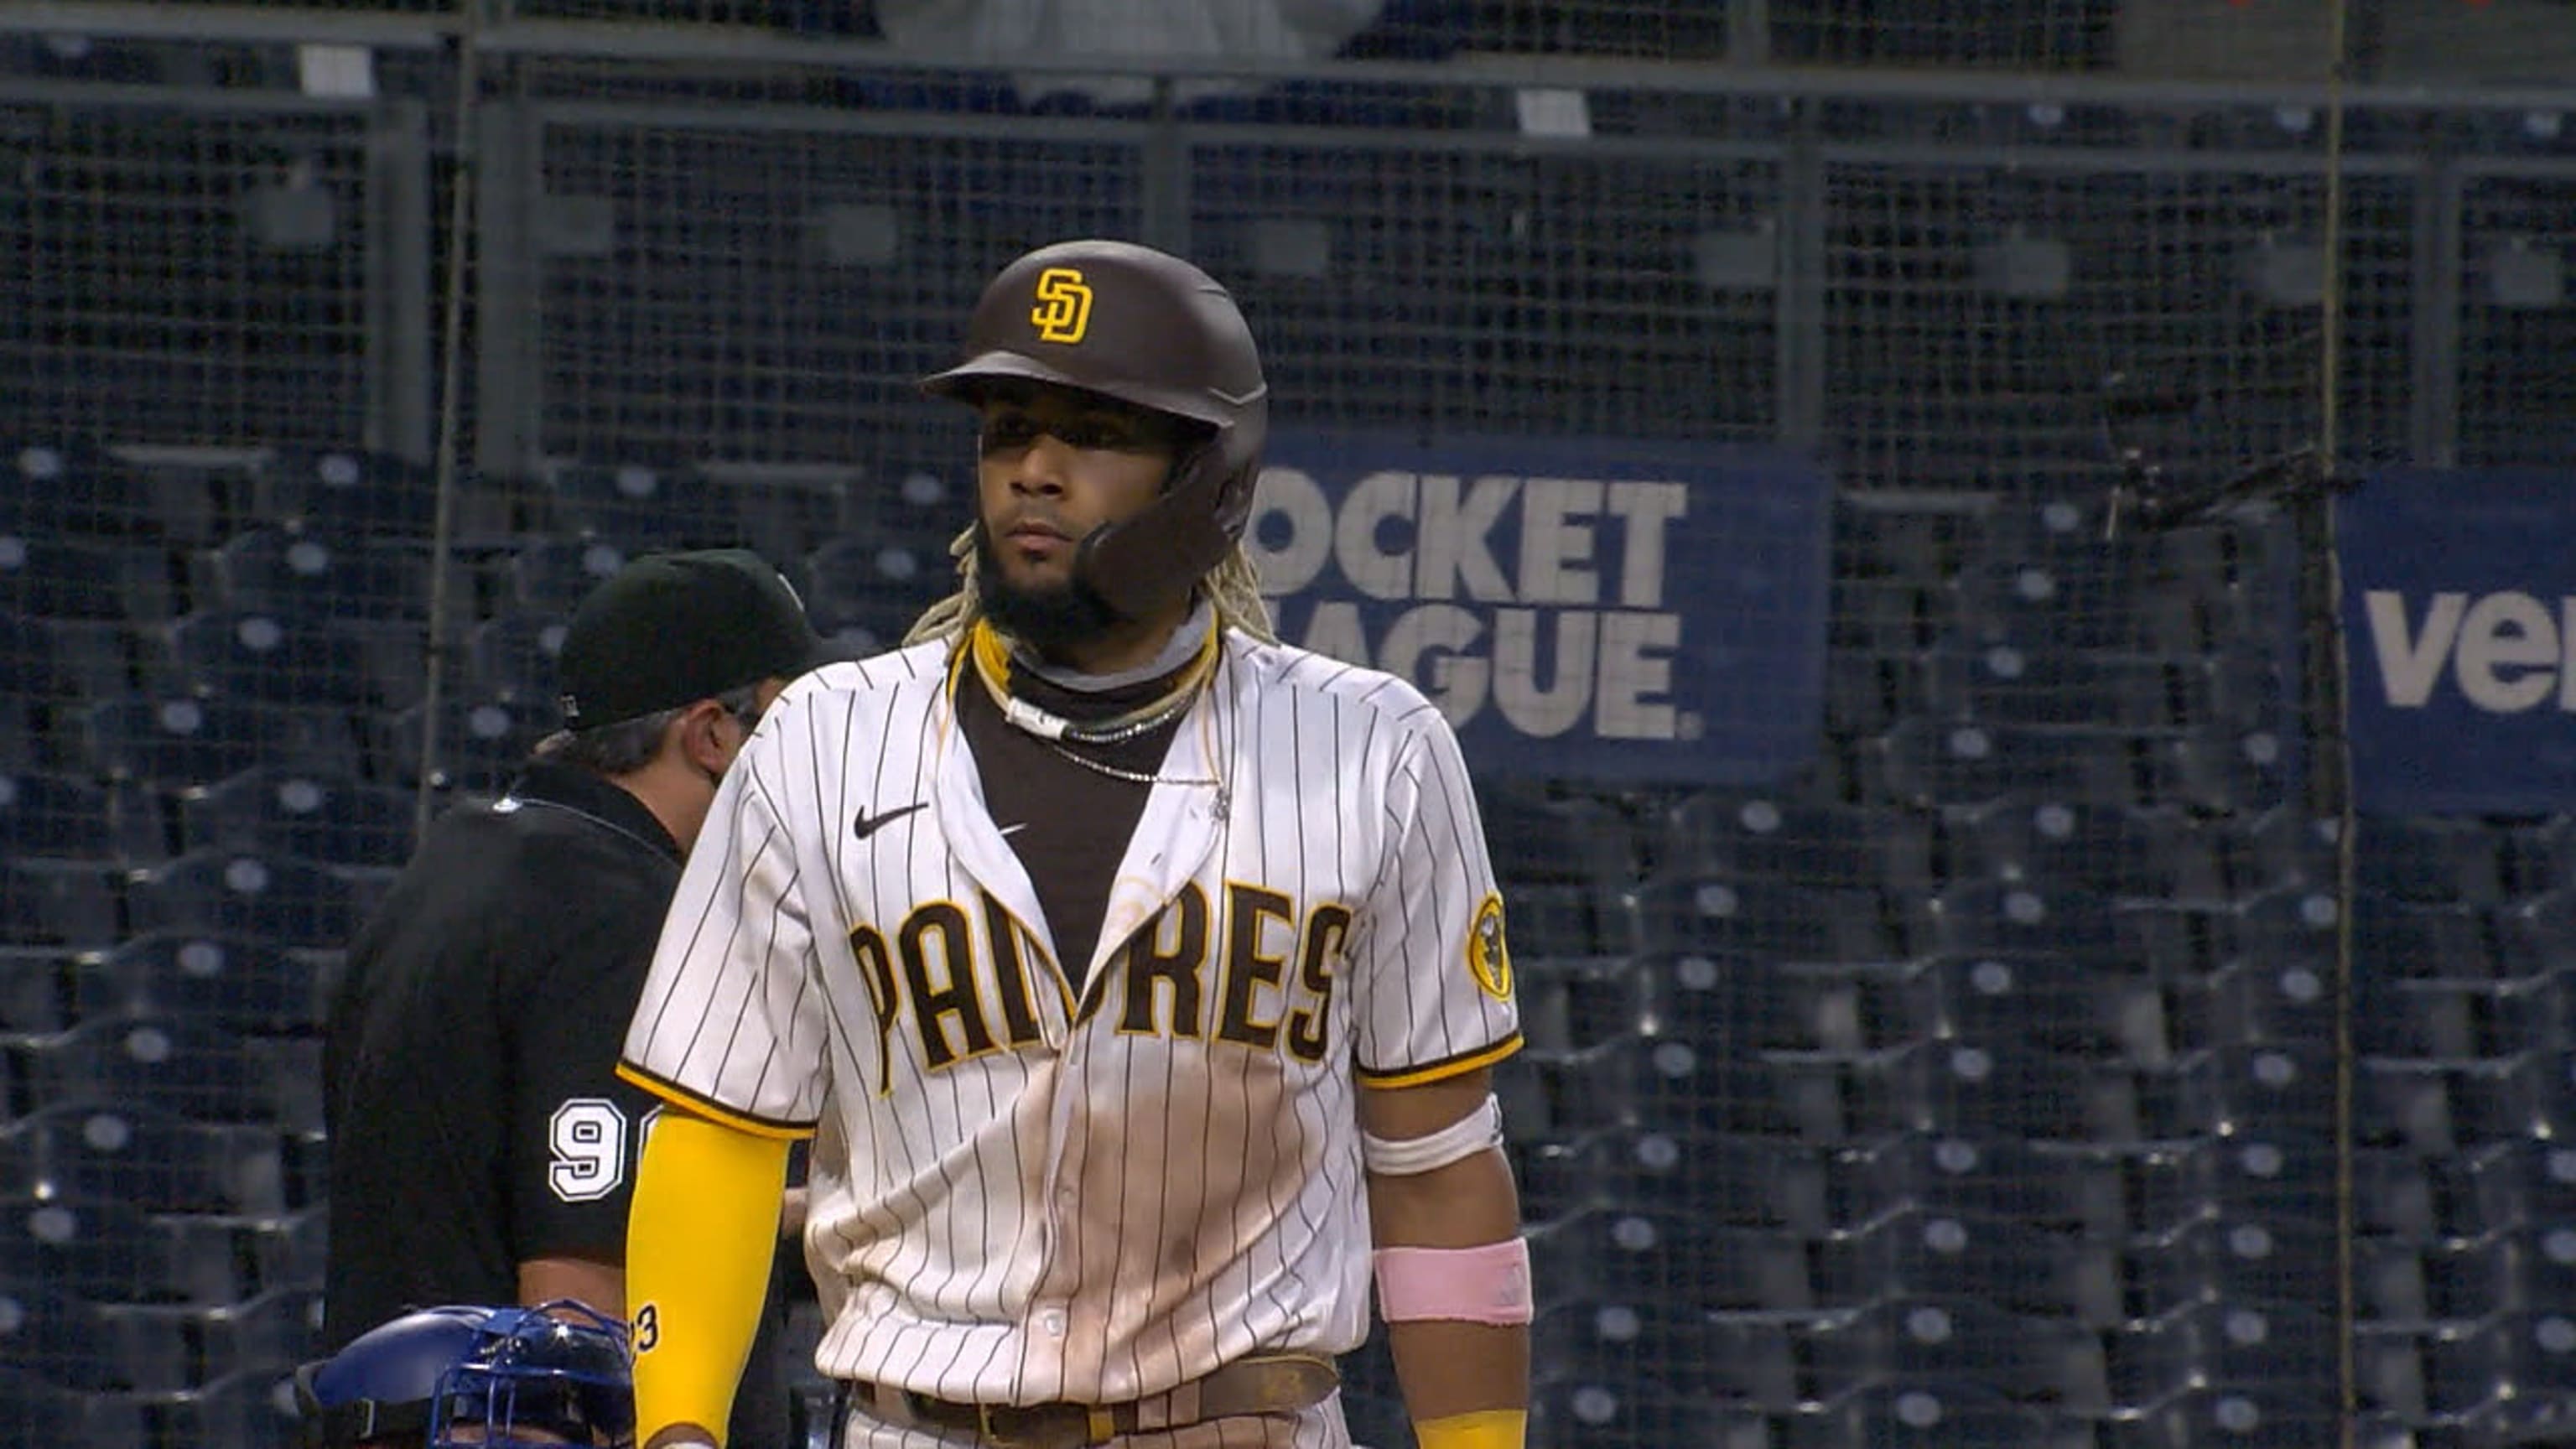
(630, 744)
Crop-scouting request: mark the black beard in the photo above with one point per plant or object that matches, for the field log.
(1047, 620)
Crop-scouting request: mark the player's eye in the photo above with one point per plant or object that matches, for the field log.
(1098, 432)
(1006, 432)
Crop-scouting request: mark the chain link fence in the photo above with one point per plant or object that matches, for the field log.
(1998, 1078)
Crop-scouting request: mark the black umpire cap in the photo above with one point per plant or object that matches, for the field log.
(670, 629)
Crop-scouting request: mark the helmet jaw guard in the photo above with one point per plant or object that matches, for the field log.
(1150, 560)
(1150, 330)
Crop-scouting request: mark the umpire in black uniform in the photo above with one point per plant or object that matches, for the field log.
(482, 1148)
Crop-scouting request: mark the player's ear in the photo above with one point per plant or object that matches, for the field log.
(706, 734)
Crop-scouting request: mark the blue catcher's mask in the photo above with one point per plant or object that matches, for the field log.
(468, 1376)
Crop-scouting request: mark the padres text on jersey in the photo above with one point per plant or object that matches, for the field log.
(1090, 1196)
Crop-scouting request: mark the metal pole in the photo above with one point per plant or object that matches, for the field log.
(442, 532)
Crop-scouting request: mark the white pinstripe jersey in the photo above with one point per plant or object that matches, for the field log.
(1021, 1197)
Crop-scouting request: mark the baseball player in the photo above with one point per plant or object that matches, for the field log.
(1133, 973)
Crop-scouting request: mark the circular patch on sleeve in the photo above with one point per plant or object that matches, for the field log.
(1488, 960)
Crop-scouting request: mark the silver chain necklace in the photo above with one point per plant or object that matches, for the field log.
(1139, 777)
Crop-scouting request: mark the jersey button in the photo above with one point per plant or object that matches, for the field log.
(1051, 1322)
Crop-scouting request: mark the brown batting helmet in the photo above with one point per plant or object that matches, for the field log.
(1146, 328)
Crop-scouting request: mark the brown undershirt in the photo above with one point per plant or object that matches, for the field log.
(1073, 823)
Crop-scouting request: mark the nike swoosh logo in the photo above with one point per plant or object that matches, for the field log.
(866, 825)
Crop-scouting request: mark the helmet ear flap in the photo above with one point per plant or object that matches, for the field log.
(1145, 562)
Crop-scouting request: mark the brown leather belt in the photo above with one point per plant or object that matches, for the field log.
(1269, 1384)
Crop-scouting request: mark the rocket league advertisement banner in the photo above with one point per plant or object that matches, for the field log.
(1579, 608)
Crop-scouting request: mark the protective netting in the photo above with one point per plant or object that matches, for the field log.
(1996, 1078)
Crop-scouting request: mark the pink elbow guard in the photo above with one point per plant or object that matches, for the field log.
(1485, 1284)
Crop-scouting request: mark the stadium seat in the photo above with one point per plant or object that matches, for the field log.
(272, 1330)
(2001, 683)
(267, 659)
(2523, 1184)
(1627, 1255)
(1572, 1003)
(1570, 1414)
(2023, 917)
(1647, 1082)
(2238, 1416)
(100, 1250)
(43, 1413)
(2252, 1255)
(2539, 855)
(175, 742)
(2443, 1105)
(2518, 1355)
(879, 583)
(77, 487)
(2045, 1186)
(70, 818)
(273, 898)
(512, 656)
(2101, 849)
(2394, 939)
(2396, 1193)
(284, 810)
(1926, 764)
(1902, 1339)
(2424, 859)
(153, 1159)
(2260, 998)
(349, 492)
(1741, 1357)
(34, 989)
(1739, 1005)
(1737, 1181)
(1557, 920)
(549, 574)
(1920, 1411)
(230, 982)
(1916, 1252)
(177, 1066)
(2219, 769)
(289, 574)
(482, 742)
(1957, 1087)
(56, 903)
(252, 1409)
(1534, 838)
(784, 512)
(2539, 928)
(2051, 1002)
(29, 685)
(1710, 915)
(87, 1347)
(59, 576)
(641, 504)
(1734, 834)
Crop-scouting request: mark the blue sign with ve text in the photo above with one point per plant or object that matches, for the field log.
(1580, 608)
(2459, 621)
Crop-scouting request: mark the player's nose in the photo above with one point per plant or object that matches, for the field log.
(1042, 466)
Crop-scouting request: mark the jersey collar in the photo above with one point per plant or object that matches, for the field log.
(605, 801)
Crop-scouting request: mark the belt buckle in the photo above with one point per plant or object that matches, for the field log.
(994, 1426)
(990, 1431)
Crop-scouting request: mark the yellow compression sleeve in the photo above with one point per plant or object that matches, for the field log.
(1487, 1429)
(699, 1236)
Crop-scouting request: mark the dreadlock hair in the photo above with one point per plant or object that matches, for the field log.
(1233, 588)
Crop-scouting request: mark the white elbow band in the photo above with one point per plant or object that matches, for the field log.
(1469, 1135)
(1487, 1284)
